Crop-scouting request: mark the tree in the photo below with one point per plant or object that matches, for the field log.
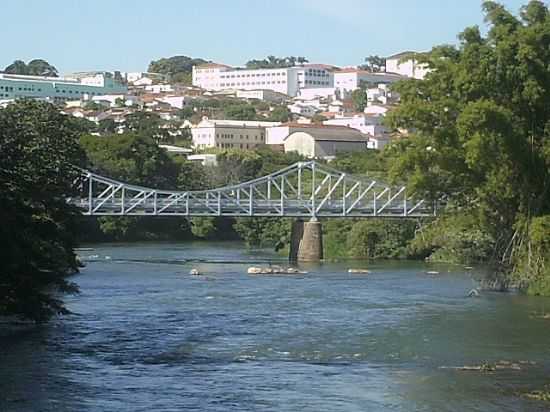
(39, 147)
(359, 99)
(280, 114)
(17, 67)
(272, 62)
(36, 67)
(240, 112)
(147, 124)
(178, 68)
(482, 131)
(39, 67)
(107, 126)
(375, 64)
(318, 118)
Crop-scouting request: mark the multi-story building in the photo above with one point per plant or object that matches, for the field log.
(230, 134)
(289, 81)
(14, 86)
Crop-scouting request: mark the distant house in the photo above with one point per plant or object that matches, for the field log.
(366, 124)
(303, 109)
(406, 64)
(319, 141)
(230, 134)
(348, 80)
(264, 95)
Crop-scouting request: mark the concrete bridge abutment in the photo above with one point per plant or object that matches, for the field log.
(306, 241)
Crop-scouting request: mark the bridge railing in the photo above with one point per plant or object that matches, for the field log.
(304, 189)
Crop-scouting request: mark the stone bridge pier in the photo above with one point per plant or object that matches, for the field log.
(306, 241)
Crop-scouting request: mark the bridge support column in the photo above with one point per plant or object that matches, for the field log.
(306, 241)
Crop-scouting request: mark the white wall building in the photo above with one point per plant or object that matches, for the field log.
(114, 99)
(230, 134)
(13, 86)
(160, 88)
(303, 109)
(261, 94)
(317, 141)
(370, 125)
(289, 81)
(405, 64)
(178, 102)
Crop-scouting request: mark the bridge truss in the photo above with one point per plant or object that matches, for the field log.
(304, 189)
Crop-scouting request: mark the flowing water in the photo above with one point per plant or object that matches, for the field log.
(147, 336)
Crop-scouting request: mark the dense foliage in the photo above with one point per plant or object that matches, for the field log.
(38, 146)
(36, 67)
(272, 62)
(178, 68)
(481, 122)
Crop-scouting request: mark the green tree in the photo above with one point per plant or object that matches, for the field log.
(107, 126)
(39, 146)
(359, 99)
(374, 64)
(481, 120)
(240, 112)
(36, 67)
(178, 68)
(280, 114)
(272, 62)
(147, 124)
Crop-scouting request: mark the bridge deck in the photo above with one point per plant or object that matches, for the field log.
(305, 189)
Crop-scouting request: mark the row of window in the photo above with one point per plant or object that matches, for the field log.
(252, 83)
(252, 75)
(232, 145)
(76, 92)
(314, 73)
(316, 82)
(231, 136)
(30, 89)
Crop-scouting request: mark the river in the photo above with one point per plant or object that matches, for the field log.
(147, 336)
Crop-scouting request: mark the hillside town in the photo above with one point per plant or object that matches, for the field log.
(315, 110)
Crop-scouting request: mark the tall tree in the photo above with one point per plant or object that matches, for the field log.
(178, 68)
(36, 67)
(482, 131)
(374, 64)
(39, 146)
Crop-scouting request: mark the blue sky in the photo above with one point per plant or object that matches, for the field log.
(78, 35)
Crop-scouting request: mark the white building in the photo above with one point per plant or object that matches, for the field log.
(204, 159)
(330, 93)
(230, 134)
(406, 64)
(289, 81)
(261, 94)
(303, 108)
(178, 102)
(318, 141)
(115, 99)
(14, 86)
(348, 80)
(160, 88)
(366, 124)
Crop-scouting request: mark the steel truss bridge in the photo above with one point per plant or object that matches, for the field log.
(304, 189)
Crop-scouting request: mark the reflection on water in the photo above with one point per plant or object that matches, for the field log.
(147, 336)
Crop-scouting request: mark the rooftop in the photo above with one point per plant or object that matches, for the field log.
(401, 55)
(212, 66)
